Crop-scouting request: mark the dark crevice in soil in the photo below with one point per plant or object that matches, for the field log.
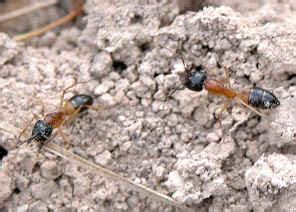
(119, 66)
(3, 152)
(137, 19)
(144, 47)
(16, 190)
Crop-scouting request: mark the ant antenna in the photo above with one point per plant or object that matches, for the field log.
(180, 54)
(187, 69)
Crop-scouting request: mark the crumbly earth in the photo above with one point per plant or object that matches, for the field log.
(126, 50)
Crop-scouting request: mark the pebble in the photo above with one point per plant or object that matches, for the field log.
(212, 137)
(22, 182)
(159, 172)
(104, 87)
(50, 170)
(174, 180)
(101, 65)
(6, 185)
(107, 99)
(103, 158)
(43, 190)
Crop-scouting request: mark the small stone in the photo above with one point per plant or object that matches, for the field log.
(6, 185)
(43, 190)
(213, 137)
(22, 182)
(125, 146)
(102, 64)
(122, 84)
(27, 160)
(159, 172)
(174, 180)
(22, 208)
(132, 201)
(107, 99)
(104, 87)
(50, 170)
(104, 158)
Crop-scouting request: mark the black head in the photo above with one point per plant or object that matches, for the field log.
(195, 79)
(41, 131)
(81, 101)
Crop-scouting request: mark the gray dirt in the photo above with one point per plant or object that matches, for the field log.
(173, 144)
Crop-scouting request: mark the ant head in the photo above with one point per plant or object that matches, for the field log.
(195, 78)
(194, 75)
(41, 131)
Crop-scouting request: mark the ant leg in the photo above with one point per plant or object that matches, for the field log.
(65, 90)
(64, 137)
(250, 107)
(35, 116)
(219, 116)
(226, 79)
(97, 107)
(222, 109)
(43, 109)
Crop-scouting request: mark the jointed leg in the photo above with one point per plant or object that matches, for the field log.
(35, 116)
(64, 137)
(97, 107)
(60, 131)
(222, 109)
(43, 110)
(250, 107)
(226, 80)
(65, 91)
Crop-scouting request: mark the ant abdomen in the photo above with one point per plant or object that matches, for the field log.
(195, 80)
(263, 99)
(81, 101)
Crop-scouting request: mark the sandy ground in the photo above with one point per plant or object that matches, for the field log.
(172, 144)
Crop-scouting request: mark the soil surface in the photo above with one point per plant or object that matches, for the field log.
(129, 52)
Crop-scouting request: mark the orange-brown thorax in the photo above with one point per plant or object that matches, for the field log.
(217, 88)
(55, 119)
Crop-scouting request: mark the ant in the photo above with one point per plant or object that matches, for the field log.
(68, 109)
(196, 79)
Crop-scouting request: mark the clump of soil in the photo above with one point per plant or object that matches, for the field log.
(173, 144)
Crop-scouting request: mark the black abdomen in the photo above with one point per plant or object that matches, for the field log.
(81, 101)
(263, 99)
